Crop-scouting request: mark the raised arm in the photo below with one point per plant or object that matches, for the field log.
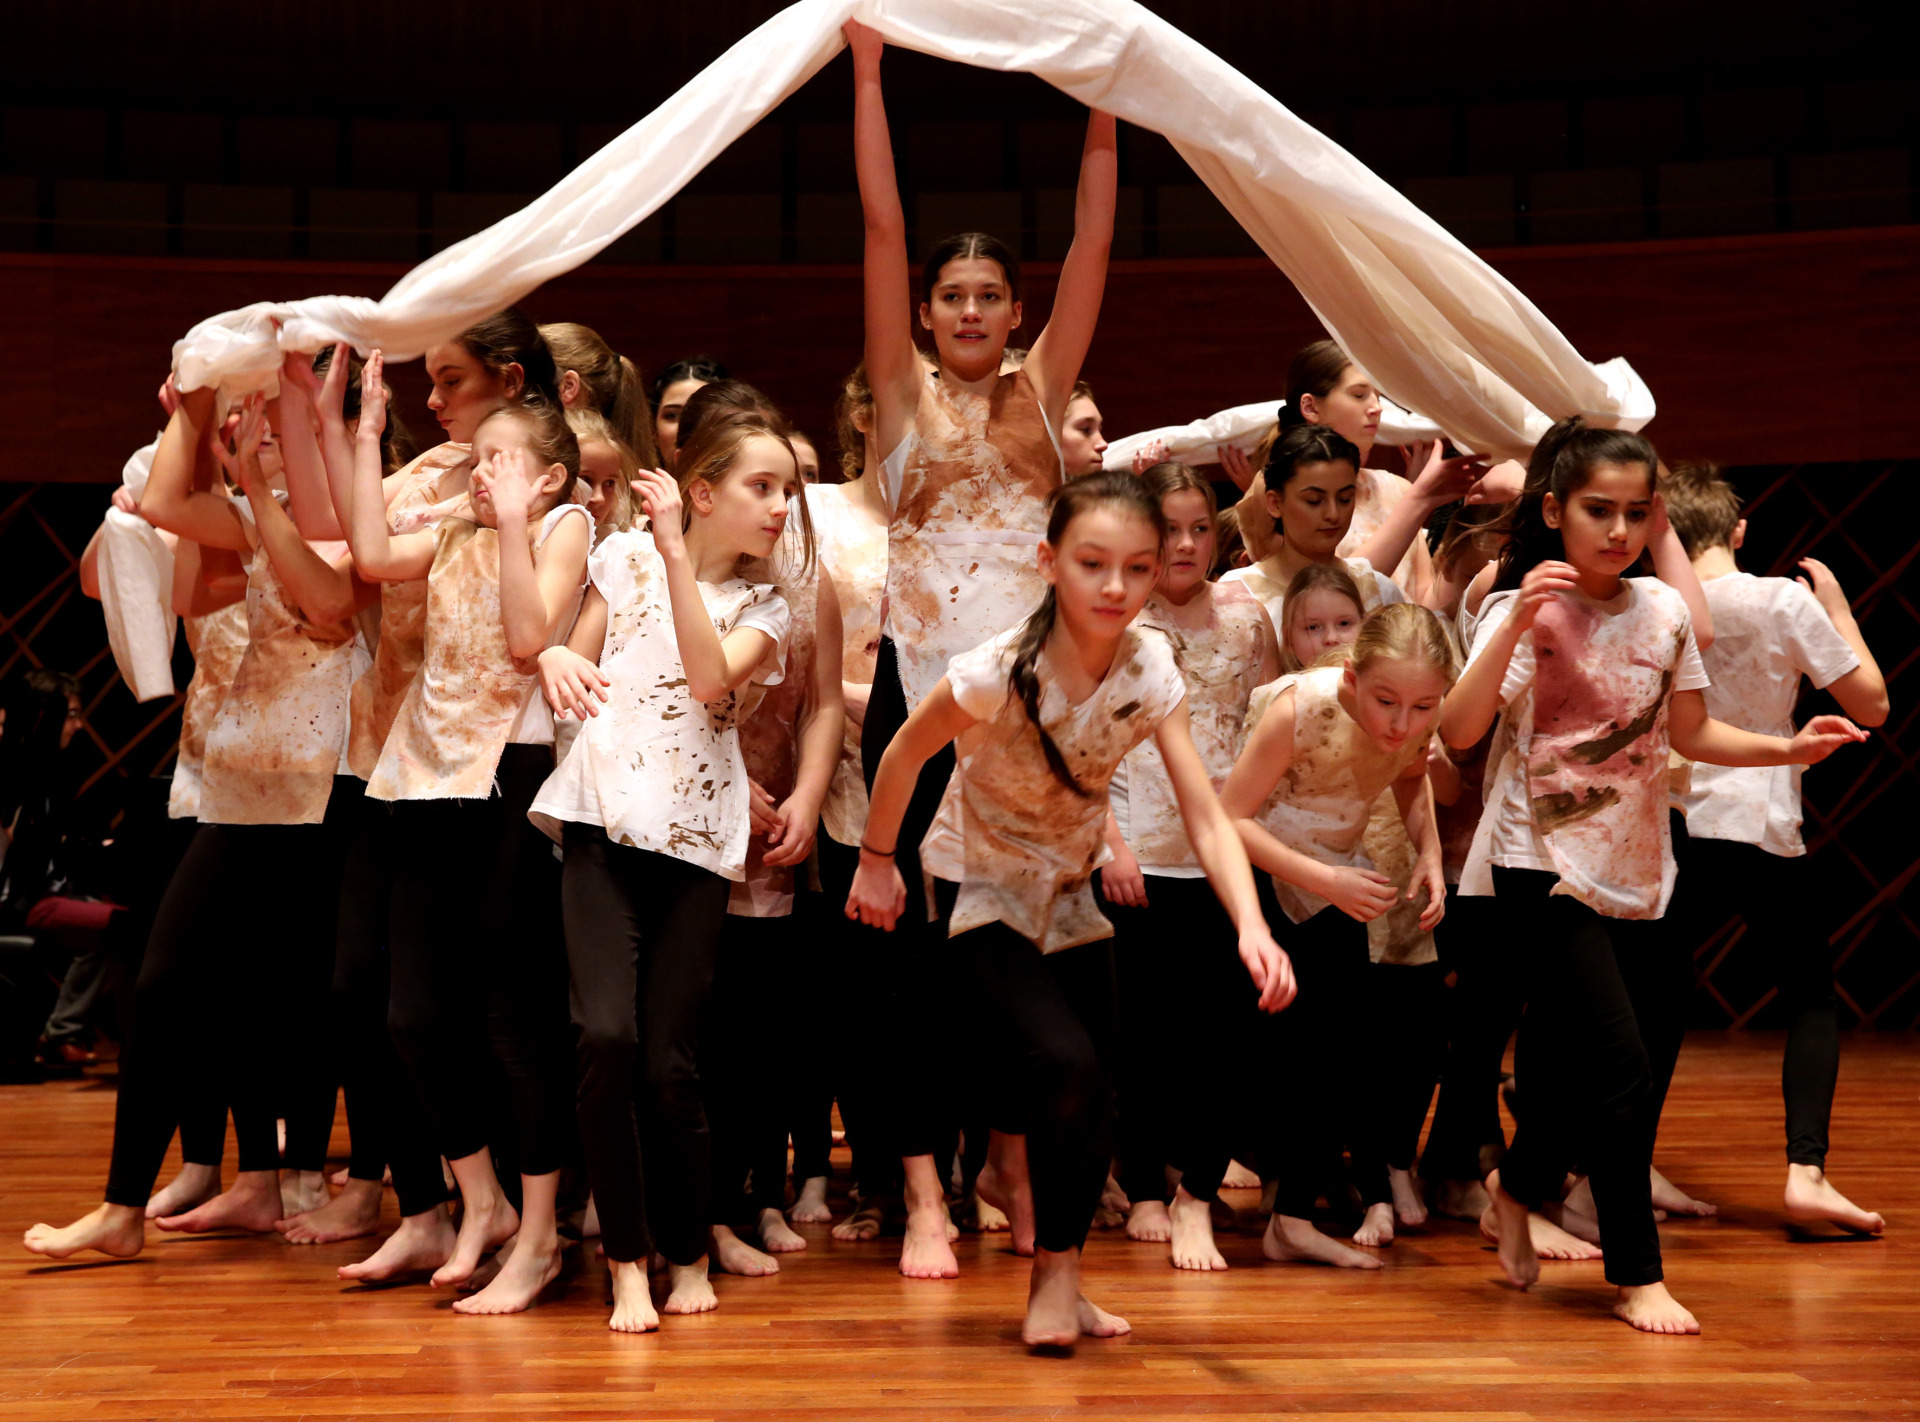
(1436, 483)
(171, 501)
(822, 727)
(714, 665)
(879, 895)
(1061, 349)
(323, 591)
(309, 497)
(894, 370)
(378, 555)
(536, 588)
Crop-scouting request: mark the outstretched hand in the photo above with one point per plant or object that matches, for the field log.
(1821, 737)
(864, 41)
(298, 376)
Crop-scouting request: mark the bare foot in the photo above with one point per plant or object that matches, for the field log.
(1113, 1208)
(251, 1203)
(302, 1192)
(339, 1178)
(486, 1222)
(1053, 1300)
(1565, 1218)
(733, 1255)
(1190, 1225)
(926, 1253)
(489, 1268)
(1675, 1201)
(862, 1225)
(423, 1241)
(811, 1205)
(1651, 1309)
(1376, 1227)
(1149, 1223)
(192, 1187)
(1005, 1184)
(1512, 1235)
(689, 1290)
(1811, 1199)
(528, 1268)
(1238, 1177)
(1409, 1203)
(117, 1231)
(777, 1236)
(1295, 1241)
(590, 1221)
(354, 1214)
(1458, 1199)
(981, 1217)
(1096, 1322)
(632, 1299)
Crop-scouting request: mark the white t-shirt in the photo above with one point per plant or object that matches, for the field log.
(657, 769)
(1767, 633)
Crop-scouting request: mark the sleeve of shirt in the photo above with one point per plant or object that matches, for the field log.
(609, 570)
(979, 679)
(1813, 643)
(1390, 591)
(1169, 685)
(1493, 615)
(770, 614)
(1691, 672)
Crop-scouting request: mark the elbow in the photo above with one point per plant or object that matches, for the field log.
(524, 648)
(706, 690)
(1873, 711)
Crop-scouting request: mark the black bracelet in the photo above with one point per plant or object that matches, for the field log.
(866, 848)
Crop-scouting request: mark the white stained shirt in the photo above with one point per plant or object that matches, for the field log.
(1021, 845)
(1376, 588)
(1515, 841)
(657, 769)
(1767, 634)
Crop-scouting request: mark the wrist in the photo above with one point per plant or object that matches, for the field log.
(868, 851)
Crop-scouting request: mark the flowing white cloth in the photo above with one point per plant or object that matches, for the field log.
(1199, 441)
(136, 591)
(1429, 320)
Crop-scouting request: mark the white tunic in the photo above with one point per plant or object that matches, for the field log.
(854, 551)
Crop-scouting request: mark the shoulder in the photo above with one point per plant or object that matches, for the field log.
(1657, 594)
(1389, 489)
(1151, 650)
(1279, 693)
(558, 515)
(993, 657)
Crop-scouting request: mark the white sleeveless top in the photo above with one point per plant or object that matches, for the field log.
(854, 551)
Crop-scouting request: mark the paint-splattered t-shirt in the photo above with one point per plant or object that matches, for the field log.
(854, 550)
(657, 769)
(218, 641)
(1767, 634)
(1222, 646)
(1021, 845)
(1581, 787)
(1264, 582)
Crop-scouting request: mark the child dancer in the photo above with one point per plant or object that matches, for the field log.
(1182, 995)
(654, 797)
(1047, 710)
(1598, 675)
(591, 375)
(672, 388)
(1740, 848)
(608, 467)
(1325, 746)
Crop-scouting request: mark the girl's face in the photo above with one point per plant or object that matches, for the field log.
(1104, 567)
(971, 314)
(1189, 551)
(666, 417)
(465, 392)
(600, 468)
(1319, 620)
(1312, 512)
(809, 458)
(748, 507)
(1351, 409)
(489, 442)
(1395, 702)
(1081, 442)
(1604, 522)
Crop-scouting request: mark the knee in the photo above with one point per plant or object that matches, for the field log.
(1072, 1068)
(605, 1048)
(671, 1082)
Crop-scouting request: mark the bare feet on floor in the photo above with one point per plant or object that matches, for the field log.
(252, 1202)
(486, 1223)
(689, 1290)
(733, 1255)
(926, 1253)
(117, 1231)
(862, 1225)
(1057, 1313)
(1811, 1199)
(810, 1207)
(527, 1268)
(1677, 1202)
(1376, 1227)
(777, 1236)
(353, 1214)
(1510, 1222)
(1409, 1201)
(424, 1241)
(1575, 1215)
(632, 1299)
(1458, 1199)
(1290, 1240)
(192, 1187)
(1238, 1177)
(1149, 1223)
(1113, 1208)
(1651, 1309)
(1190, 1228)
(302, 1192)
(1005, 1184)
(977, 1215)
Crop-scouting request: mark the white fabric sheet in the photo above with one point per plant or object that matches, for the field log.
(1199, 441)
(1429, 320)
(136, 591)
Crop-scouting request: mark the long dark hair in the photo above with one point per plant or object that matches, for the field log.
(1561, 465)
(1122, 491)
(508, 338)
(704, 368)
(611, 379)
(1314, 370)
(970, 244)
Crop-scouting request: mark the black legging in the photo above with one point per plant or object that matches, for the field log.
(1054, 1018)
(386, 1124)
(1467, 1139)
(864, 965)
(1407, 1012)
(1593, 987)
(818, 996)
(479, 970)
(1188, 1012)
(744, 1063)
(643, 932)
(232, 990)
(1786, 931)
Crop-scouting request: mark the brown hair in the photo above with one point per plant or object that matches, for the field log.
(727, 397)
(1405, 632)
(1315, 577)
(1170, 476)
(1228, 544)
(710, 453)
(1314, 370)
(856, 396)
(1702, 506)
(610, 378)
(591, 427)
(548, 437)
(397, 447)
(959, 247)
(1561, 465)
(509, 338)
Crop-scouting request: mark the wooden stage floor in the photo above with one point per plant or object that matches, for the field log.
(240, 1327)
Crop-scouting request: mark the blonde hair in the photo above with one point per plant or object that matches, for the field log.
(1315, 577)
(1405, 632)
(856, 398)
(611, 379)
(591, 427)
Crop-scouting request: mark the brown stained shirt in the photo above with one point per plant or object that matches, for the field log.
(969, 514)
(1221, 647)
(1263, 580)
(378, 692)
(1021, 845)
(854, 551)
(218, 642)
(1378, 495)
(275, 745)
(459, 713)
(656, 769)
(1337, 773)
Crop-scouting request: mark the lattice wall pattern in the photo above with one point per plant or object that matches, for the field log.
(1861, 805)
